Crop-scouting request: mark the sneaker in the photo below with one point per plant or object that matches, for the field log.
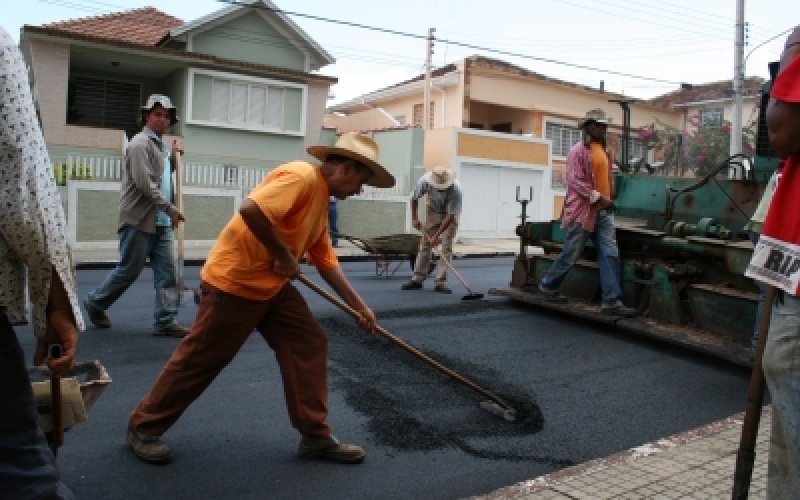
(173, 330)
(412, 285)
(552, 295)
(150, 449)
(619, 309)
(329, 448)
(96, 316)
(443, 288)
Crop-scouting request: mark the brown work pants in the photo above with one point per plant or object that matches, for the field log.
(223, 324)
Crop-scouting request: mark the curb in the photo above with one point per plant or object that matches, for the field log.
(111, 264)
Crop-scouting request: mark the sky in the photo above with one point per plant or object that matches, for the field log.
(641, 49)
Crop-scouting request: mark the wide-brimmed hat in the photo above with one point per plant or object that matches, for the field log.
(361, 149)
(596, 115)
(165, 103)
(440, 177)
(787, 84)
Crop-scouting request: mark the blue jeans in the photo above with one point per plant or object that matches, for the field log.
(27, 466)
(781, 364)
(607, 257)
(135, 247)
(333, 216)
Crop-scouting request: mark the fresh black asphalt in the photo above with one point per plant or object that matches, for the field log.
(582, 392)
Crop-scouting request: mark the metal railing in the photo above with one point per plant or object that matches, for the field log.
(109, 168)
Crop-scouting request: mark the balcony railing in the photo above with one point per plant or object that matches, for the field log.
(109, 169)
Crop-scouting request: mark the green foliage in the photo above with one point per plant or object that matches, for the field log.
(79, 171)
(698, 152)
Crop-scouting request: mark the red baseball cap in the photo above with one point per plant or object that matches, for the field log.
(787, 83)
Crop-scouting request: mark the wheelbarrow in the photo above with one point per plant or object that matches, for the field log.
(74, 394)
(391, 251)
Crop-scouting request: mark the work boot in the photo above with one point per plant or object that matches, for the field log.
(329, 448)
(173, 330)
(442, 288)
(619, 309)
(96, 316)
(412, 285)
(150, 449)
(552, 295)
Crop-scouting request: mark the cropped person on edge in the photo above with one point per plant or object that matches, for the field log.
(776, 261)
(33, 241)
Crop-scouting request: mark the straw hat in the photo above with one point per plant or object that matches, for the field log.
(165, 103)
(440, 178)
(361, 149)
(595, 115)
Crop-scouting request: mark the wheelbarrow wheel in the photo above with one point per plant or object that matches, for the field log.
(412, 260)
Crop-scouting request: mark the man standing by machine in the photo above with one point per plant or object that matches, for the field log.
(245, 287)
(146, 220)
(441, 221)
(589, 213)
(776, 261)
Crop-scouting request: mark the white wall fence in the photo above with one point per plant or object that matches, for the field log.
(109, 169)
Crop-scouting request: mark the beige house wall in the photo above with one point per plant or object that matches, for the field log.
(558, 99)
(439, 148)
(51, 73)
(315, 110)
(447, 111)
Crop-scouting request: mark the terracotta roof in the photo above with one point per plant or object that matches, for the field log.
(709, 92)
(146, 26)
(260, 68)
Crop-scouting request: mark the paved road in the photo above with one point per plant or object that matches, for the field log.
(583, 392)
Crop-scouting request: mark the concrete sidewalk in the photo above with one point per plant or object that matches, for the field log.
(697, 464)
(195, 255)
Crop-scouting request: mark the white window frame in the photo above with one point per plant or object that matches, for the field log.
(242, 79)
(709, 111)
(556, 121)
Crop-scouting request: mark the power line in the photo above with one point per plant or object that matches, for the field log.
(451, 42)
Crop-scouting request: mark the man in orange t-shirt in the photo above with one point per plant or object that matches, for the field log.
(245, 287)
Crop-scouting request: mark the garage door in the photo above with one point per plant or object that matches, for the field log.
(490, 199)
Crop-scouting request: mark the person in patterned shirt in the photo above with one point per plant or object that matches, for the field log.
(33, 242)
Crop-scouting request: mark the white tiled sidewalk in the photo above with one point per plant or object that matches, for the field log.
(697, 464)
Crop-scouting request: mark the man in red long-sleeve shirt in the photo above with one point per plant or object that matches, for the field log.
(588, 213)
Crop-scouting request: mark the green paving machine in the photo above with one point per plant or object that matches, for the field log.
(683, 250)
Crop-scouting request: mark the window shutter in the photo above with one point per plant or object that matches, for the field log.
(220, 100)
(238, 109)
(258, 104)
(274, 117)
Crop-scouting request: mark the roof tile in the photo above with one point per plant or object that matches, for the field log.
(708, 92)
(146, 26)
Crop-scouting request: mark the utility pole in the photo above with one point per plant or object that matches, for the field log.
(426, 94)
(738, 81)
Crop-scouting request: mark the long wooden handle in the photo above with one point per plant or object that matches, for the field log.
(56, 404)
(179, 235)
(746, 456)
(407, 347)
(448, 264)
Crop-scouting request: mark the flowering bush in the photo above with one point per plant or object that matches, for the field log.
(698, 152)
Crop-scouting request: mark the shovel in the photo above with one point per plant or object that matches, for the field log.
(179, 295)
(470, 295)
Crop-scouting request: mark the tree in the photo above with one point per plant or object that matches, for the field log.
(698, 152)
